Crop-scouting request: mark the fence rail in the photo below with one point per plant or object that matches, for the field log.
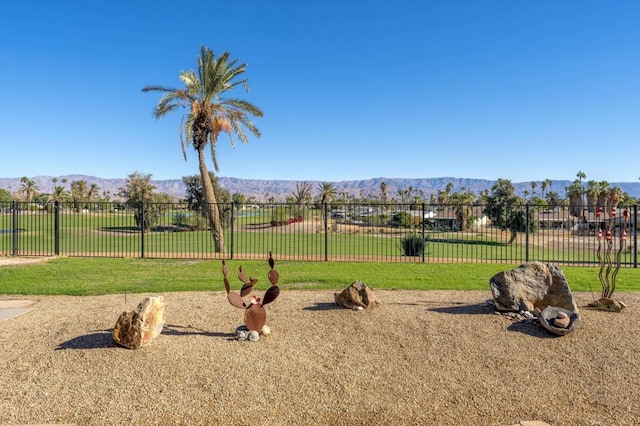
(337, 232)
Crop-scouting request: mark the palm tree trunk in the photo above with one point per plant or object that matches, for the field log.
(211, 206)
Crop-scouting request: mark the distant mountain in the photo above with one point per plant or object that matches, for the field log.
(280, 189)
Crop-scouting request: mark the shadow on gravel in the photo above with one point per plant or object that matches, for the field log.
(463, 309)
(532, 329)
(179, 330)
(98, 340)
(323, 306)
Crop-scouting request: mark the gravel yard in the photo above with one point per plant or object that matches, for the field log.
(422, 357)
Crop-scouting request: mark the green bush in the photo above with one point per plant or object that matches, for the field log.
(412, 245)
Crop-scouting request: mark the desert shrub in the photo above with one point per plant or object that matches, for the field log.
(412, 245)
(181, 220)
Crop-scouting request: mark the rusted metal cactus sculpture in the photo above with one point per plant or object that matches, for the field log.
(255, 315)
(606, 250)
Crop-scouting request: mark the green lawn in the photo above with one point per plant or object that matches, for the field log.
(93, 276)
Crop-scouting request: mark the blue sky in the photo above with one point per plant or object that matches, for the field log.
(521, 90)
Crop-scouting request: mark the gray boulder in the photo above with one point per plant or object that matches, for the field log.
(532, 286)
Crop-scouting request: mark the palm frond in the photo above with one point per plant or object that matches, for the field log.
(158, 89)
(243, 106)
(190, 79)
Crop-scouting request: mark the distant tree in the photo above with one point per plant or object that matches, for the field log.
(574, 194)
(195, 197)
(554, 200)
(93, 192)
(327, 192)
(78, 194)
(483, 196)
(534, 185)
(29, 188)
(210, 113)
(545, 185)
(443, 196)
(463, 207)
(302, 193)
(581, 175)
(238, 198)
(383, 192)
(506, 211)
(138, 194)
(60, 193)
(5, 196)
(603, 193)
(406, 195)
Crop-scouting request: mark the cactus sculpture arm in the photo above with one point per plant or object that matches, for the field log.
(255, 314)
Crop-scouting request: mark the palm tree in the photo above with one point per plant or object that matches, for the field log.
(581, 175)
(544, 185)
(327, 193)
(534, 185)
(574, 194)
(593, 191)
(78, 193)
(383, 192)
(210, 113)
(463, 202)
(604, 193)
(443, 196)
(29, 188)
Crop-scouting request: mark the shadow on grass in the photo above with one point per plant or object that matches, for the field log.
(136, 230)
(468, 242)
(97, 340)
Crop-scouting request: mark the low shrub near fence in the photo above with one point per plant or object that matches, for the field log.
(337, 232)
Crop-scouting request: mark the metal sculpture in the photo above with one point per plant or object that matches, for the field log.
(605, 230)
(255, 315)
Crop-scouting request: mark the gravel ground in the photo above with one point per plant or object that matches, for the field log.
(422, 357)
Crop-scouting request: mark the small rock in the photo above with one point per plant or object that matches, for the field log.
(265, 330)
(241, 335)
(562, 320)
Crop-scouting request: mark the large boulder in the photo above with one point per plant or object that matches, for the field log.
(532, 287)
(357, 296)
(135, 329)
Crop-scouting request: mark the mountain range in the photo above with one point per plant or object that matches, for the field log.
(280, 189)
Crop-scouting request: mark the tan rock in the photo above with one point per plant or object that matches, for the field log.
(138, 328)
(357, 297)
(562, 320)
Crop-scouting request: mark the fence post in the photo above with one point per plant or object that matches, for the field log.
(424, 241)
(233, 209)
(635, 235)
(527, 232)
(326, 231)
(56, 227)
(14, 226)
(142, 227)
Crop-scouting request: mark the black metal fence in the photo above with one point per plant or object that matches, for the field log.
(335, 232)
